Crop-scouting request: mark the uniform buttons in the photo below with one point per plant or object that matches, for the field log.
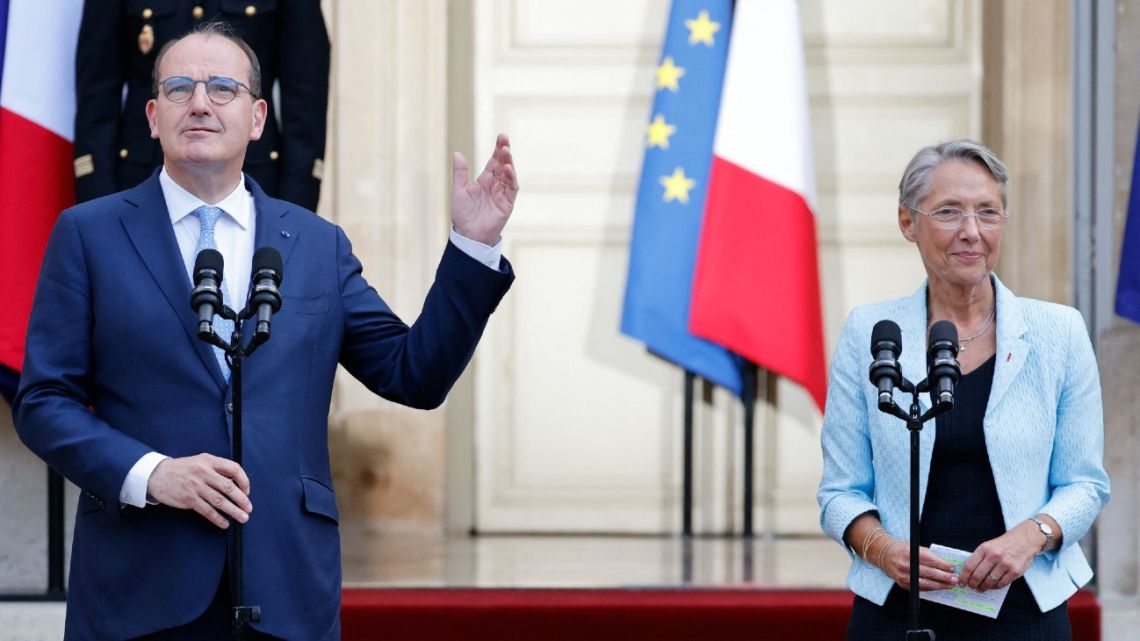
(198, 12)
(147, 13)
(273, 155)
(122, 153)
(251, 10)
(230, 407)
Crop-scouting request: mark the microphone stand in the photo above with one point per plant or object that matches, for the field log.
(243, 615)
(914, 423)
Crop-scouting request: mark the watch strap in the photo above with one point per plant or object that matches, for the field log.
(1045, 529)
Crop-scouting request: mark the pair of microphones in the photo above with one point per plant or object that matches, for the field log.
(264, 297)
(943, 370)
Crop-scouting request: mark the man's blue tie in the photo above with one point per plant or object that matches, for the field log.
(223, 327)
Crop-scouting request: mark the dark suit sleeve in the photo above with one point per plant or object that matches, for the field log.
(417, 366)
(51, 408)
(100, 70)
(304, 78)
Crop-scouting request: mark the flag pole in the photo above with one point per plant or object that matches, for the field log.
(759, 384)
(687, 489)
(56, 588)
(771, 451)
(748, 397)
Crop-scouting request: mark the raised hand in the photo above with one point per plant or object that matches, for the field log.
(480, 210)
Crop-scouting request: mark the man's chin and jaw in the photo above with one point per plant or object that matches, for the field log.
(199, 149)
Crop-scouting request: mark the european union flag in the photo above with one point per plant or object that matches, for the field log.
(671, 198)
(1128, 283)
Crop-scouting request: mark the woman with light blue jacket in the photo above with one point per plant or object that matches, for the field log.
(1013, 475)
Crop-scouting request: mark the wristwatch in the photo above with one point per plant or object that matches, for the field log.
(1046, 529)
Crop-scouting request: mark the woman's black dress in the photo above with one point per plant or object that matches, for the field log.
(961, 511)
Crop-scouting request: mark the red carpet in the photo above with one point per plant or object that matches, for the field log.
(603, 615)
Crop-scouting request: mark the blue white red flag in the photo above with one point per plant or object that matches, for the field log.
(37, 116)
(756, 286)
(723, 258)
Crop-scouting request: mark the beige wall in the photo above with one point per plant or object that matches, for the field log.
(389, 173)
(1027, 112)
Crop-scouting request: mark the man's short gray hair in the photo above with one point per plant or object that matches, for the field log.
(915, 183)
(221, 30)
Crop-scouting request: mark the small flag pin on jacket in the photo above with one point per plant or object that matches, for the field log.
(284, 234)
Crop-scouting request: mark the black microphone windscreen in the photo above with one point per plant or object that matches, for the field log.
(886, 330)
(209, 259)
(268, 258)
(944, 331)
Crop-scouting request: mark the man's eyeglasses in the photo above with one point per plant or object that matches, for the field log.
(952, 218)
(220, 89)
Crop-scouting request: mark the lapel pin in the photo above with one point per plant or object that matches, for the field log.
(284, 234)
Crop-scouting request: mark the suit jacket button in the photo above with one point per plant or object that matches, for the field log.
(230, 407)
(122, 153)
(273, 155)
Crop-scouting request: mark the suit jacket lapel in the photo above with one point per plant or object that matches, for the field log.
(273, 227)
(1012, 349)
(147, 223)
(273, 230)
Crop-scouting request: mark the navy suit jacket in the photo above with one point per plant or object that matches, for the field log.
(114, 369)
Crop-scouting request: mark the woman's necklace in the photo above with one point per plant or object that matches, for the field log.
(989, 321)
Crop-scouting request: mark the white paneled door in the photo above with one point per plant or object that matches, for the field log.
(577, 428)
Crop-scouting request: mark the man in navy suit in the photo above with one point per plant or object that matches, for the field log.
(120, 396)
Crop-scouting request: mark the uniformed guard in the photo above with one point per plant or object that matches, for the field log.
(118, 41)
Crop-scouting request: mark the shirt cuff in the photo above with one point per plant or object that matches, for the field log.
(488, 255)
(134, 487)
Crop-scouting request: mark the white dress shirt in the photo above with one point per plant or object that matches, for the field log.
(234, 234)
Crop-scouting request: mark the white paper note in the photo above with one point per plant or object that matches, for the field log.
(986, 603)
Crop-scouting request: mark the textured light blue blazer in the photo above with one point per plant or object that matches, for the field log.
(1044, 431)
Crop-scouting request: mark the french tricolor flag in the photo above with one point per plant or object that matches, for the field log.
(756, 281)
(723, 263)
(37, 116)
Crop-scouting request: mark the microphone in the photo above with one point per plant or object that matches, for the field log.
(886, 345)
(206, 297)
(265, 297)
(943, 369)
